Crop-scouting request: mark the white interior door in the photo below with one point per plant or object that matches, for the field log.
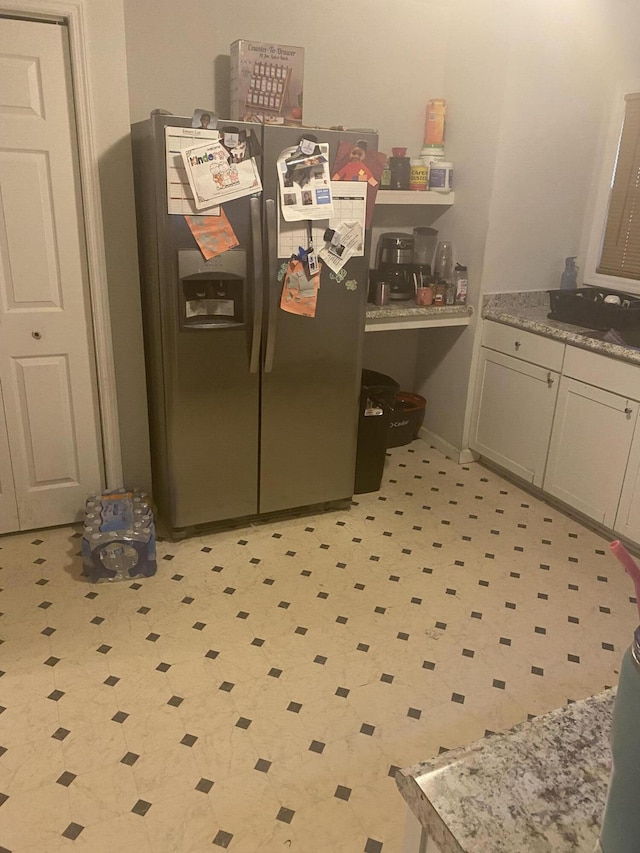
(47, 370)
(8, 507)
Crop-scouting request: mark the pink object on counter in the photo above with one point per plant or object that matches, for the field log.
(629, 564)
(399, 152)
(424, 295)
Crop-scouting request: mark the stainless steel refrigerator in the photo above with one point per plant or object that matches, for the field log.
(254, 412)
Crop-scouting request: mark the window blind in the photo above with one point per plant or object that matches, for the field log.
(621, 245)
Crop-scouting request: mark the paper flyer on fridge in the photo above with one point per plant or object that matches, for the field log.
(305, 183)
(215, 177)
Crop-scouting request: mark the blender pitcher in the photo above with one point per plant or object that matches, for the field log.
(424, 244)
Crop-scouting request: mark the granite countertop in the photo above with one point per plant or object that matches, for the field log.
(529, 311)
(408, 308)
(538, 787)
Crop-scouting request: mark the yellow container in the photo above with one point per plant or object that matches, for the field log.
(418, 176)
(434, 122)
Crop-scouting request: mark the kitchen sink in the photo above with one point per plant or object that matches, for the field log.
(629, 338)
(586, 306)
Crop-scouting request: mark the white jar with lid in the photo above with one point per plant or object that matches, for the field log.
(431, 153)
(441, 176)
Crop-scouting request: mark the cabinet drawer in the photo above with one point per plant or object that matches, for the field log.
(617, 376)
(525, 345)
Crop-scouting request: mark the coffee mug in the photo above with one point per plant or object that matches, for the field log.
(383, 290)
(424, 295)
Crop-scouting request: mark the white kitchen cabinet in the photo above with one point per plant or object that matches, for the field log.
(628, 516)
(589, 449)
(580, 442)
(515, 399)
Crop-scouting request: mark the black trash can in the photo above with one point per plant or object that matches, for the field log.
(406, 418)
(377, 393)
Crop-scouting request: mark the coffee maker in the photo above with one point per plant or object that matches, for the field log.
(394, 261)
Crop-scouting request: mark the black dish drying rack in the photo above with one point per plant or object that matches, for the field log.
(586, 307)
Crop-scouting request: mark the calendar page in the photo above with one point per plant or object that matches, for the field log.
(349, 206)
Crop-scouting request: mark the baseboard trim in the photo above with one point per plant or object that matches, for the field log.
(569, 511)
(462, 457)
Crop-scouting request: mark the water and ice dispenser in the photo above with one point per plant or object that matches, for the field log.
(212, 293)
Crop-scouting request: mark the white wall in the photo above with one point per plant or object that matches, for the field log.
(367, 63)
(525, 165)
(475, 83)
(104, 26)
(559, 76)
(527, 86)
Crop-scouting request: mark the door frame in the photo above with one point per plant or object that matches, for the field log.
(72, 13)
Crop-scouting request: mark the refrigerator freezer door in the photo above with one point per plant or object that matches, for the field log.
(203, 397)
(310, 396)
(212, 428)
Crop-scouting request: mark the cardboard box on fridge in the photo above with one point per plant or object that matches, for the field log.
(266, 82)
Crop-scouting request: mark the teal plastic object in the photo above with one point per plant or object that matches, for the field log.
(570, 275)
(620, 831)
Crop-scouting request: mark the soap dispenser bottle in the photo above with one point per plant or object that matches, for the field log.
(569, 276)
(620, 831)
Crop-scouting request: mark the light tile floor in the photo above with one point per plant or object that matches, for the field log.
(259, 692)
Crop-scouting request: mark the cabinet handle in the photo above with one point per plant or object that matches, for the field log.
(628, 411)
(549, 379)
(517, 345)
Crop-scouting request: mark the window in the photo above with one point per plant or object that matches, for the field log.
(613, 258)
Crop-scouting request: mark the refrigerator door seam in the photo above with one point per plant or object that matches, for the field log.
(272, 260)
(258, 285)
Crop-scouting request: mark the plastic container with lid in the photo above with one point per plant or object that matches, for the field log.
(385, 179)
(400, 168)
(429, 153)
(461, 279)
(434, 121)
(441, 176)
(418, 176)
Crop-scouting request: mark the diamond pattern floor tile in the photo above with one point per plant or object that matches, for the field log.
(262, 688)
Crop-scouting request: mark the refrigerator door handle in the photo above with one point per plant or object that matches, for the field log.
(272, 260)
(258, 287)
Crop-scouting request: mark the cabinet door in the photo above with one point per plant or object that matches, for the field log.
(589, 448)
(513, 413)
(628, 517)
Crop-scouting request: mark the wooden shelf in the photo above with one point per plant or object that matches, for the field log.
(411, 197)
(388, 320)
